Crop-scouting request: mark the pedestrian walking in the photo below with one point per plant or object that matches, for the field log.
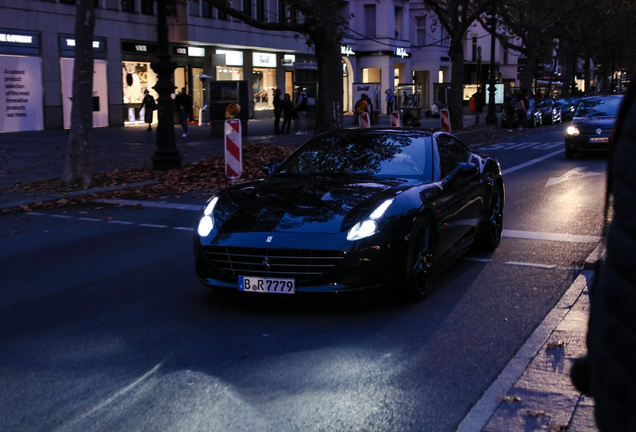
(608, 373)
(522, 111)
(149, 105)
(288, 106)
(183, 102)
(389, 101)
(509, 108)
(301, 110)
(278, 110)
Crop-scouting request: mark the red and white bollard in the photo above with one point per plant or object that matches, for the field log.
(395, 119)
(363, 119)
(233, 149)
(444, 117)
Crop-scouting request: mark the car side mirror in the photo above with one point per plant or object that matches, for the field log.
(465, 169)
(269, 169)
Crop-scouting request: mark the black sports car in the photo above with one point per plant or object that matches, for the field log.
(592, 124)
(550, 111)
(352, 210)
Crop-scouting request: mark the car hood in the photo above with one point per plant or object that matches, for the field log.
(593, 122)
(310, 204)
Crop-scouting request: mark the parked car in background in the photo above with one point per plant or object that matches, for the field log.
(351, 211)
(549, 109)
(568, 106)
(535, 118)
(592, 124)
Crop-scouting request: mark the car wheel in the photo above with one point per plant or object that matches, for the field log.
(419, 270)
(491, 234)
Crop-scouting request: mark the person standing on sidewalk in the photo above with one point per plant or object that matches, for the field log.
(278, 110)
(301, 111)
(148, 103)
(522, 111)
(389, 101)
(608, 372)
(183, 101)
(288, 105)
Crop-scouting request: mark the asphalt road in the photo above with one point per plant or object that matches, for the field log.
(104, 326)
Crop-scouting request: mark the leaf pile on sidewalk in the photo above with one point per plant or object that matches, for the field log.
(203, 176)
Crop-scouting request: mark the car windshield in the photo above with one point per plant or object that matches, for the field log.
(598, 107)
(377, 154)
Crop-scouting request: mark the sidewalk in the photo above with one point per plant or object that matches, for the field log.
(533, 392)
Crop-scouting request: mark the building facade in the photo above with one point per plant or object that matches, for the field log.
(388, 45)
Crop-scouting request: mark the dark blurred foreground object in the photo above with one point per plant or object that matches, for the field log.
(608, 372)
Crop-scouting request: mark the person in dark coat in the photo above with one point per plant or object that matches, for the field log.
(183, 102)
(288, 106)
(608, 372)
(149, 104)
(278, 110)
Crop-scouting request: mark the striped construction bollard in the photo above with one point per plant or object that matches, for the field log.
(363, 118)
(233, 149)
(444, 117)
(395, 119)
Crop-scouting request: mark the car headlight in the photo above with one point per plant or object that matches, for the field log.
(207, 221)
(369, 226)
(572, 130)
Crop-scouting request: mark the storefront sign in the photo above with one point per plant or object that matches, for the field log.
(189, 51)
(347, 50)
(288, 60)
(263, 60)
(139, 47)
(19, 42)
(232, 58)
(401, 52)
(67, 46)
(21, 106)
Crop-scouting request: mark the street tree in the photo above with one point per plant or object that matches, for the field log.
(77, 167)
(456, 17)
(321, 23)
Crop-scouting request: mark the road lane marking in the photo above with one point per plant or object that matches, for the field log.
(571, 238)
(578, 172)
(61, 216)
(532, 162)
(153, 226)
(522, 264)
(90, 219)
(184, 228)
(156, 204)
(120, 222)
(476, 259)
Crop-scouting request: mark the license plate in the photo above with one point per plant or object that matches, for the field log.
(599, 140)
(267, 285)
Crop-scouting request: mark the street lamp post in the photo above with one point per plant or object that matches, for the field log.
(166, 154)
(491, 117)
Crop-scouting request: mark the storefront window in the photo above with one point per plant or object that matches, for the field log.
(137, 78)
(229, 73)
(264, 85)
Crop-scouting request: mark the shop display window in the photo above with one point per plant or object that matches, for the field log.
(264, 85)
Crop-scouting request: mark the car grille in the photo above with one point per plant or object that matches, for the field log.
(300, 264)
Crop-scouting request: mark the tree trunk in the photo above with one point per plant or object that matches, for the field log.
(456, 96)
(329, 108)
(529, 70)
(78, 157)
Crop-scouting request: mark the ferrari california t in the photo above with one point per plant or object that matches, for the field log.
(351, 211)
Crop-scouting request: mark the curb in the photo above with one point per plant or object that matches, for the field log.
(73, 194)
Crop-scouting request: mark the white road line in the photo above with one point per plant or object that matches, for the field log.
(184, 228)
(153, 226)
(61, 216)
(90, 219)
(522, 264)
(476, 259)
(37, 213)
(530, 235)
(532, 162)
(121, 222)
(155, 204)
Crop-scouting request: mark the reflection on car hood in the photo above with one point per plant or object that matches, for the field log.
(593, 122)
(316, 204)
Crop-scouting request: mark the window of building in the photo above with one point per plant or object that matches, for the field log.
(421, 30)
(147, 7)
(247, 7)
(222, 16)
(260, 10)
(397, 32)
(282, 11)
(206, 9)
(128, 5)
(369, 21)
(70, 2)
(474, 51)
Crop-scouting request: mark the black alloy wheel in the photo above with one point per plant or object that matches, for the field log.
(491, 235)
(419, 271)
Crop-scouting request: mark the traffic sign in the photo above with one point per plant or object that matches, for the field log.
(233, 149)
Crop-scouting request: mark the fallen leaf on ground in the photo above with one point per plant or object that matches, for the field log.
(508, 399)
(534, 413)
(555, 345)
(558, 427)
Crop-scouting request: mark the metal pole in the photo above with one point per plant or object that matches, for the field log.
(491, 117)
(166, 154)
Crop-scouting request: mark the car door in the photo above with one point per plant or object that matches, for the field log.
(459, 203)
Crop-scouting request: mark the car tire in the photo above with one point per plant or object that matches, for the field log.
(420, 259)
(490, 235)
